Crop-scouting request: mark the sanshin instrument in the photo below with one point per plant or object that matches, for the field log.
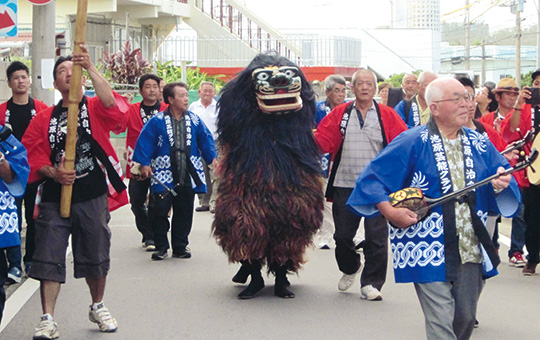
(414, 199)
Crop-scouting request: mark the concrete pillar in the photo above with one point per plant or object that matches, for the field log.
(43, 47)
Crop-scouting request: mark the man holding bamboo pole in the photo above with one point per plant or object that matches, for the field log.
(45, 140)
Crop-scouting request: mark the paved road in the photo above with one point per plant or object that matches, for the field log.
(195, 299)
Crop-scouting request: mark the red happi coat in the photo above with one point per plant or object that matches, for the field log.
(103, 121)
(134, 127)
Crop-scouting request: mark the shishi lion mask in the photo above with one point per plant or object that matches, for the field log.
(278, 89)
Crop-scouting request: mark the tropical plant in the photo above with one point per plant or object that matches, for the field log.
(397, 79)
(526, 79)
(125, 66)
(171, 73)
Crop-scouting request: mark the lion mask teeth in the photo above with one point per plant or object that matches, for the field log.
(278, 89)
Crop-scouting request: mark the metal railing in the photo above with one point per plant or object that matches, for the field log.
(224, 52)
(246, 26)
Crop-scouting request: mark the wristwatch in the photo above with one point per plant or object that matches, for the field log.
(2, 158)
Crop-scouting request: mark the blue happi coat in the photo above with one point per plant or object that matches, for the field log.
(154, 148)
(411, 118)
(428, 250)
(14, 153)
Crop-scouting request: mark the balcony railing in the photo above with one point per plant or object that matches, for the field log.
(221, 52)
(246, 26)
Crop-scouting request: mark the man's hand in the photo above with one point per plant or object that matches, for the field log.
(502, 182)
(512, 155)
(101, 85)
(146, 172)
(6, 173)
(217, 167)
(63, 175)
(524, 94)
(82, 58)
(398, 217)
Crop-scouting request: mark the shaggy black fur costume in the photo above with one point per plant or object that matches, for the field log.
(270, 196)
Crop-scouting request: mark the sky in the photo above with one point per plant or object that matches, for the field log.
(348, 15)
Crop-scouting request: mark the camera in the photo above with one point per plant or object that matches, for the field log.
(535, 96)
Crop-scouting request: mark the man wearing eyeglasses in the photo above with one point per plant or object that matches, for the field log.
(355, 133)
(506, 94)
(446, 253)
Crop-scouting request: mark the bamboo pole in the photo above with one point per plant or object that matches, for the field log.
(73, 106)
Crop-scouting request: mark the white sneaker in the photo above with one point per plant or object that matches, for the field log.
(103, 318)
(46, 329)
(370, 293)
(347, 280)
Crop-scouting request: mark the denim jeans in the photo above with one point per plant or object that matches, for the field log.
(517, 236)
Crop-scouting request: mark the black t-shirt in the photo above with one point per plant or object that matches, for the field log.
(90, 182)
(536, 118)
(19, 118)
(150, 111)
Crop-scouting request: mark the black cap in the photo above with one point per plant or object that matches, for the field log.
(535, 74)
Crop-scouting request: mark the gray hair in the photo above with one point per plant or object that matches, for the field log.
(206, 83)
(363, 70)
(410, 74)
(435, 90)
(424, 74)
(332, 80)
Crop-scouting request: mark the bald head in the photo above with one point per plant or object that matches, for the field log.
(424, 79)
(449, 104)
(410, 85)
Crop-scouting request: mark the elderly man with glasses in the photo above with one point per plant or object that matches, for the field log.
(447, 253)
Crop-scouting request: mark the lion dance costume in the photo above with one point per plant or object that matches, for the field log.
(270, 196)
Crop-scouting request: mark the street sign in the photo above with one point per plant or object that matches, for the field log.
(40, 2)
(8, 18)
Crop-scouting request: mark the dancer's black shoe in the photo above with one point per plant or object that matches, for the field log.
(256, 283)
(242, 275)
(282, 283)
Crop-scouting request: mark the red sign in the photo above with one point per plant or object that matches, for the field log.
(6, 20)
(40, 2)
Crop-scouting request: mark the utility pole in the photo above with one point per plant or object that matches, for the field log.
(392, 13)
(43, 47)
(467, 38)
(483, 72)
(538, 39)
(519, 6)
